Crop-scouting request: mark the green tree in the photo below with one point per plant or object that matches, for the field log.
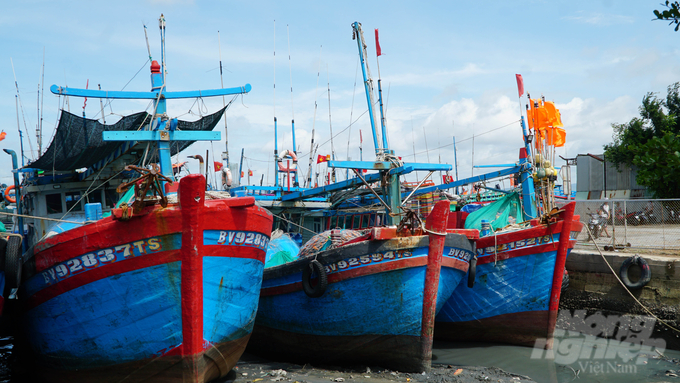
(658, 163)
(652, 143)
(671, 14)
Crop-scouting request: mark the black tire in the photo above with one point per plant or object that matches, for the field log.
(645, 272)
(565, 280)
(11, 265)
(314, 291)
(472, 272)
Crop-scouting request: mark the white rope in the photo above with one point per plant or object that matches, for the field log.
(626, 287)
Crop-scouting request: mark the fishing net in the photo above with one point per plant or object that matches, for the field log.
(328, 239)
(282, 249)
(505, 211)
(78, 141)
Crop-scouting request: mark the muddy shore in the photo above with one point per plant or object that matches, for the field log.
(252, 369)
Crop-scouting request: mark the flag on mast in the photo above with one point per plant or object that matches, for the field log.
(520, 84)
(378, 51)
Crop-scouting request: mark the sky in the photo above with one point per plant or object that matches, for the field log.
(447, 68)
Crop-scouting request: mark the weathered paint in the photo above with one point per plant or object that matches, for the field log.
(372, 310)
(511, 297)
(436, 225)
(566, 216)
(147, 311)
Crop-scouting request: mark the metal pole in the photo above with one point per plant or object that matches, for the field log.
(17, 191)
(367, 82)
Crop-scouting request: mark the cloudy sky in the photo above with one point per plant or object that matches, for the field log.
(448, 69)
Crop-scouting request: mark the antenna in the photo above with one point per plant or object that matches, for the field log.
(329, 121)
(316, 93)
(225, 156)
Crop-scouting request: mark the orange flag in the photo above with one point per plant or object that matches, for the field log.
(556, 136)
(2, 135)
(553, 114)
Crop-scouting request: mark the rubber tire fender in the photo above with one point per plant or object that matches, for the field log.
(11, 266)
(314, 267)
(645, 272)
(565, 280)
(472, 271)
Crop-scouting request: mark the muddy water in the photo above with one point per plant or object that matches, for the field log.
(576, 357)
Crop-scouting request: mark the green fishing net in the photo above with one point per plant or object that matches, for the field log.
(501, 213)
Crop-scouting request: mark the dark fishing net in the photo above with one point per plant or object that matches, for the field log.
(78, 141)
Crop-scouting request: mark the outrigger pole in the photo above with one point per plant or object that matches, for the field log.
(161, 129)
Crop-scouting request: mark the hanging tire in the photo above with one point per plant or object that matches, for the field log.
(472, 271)
(11, 264)
(565, 280)
(645, 272)
(314, 268)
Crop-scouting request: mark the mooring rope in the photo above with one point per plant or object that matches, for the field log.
(626, 287)
(44, 218)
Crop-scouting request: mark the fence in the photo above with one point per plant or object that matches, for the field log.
(653, 224)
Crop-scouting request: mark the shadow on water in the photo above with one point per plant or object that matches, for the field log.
(575, 357)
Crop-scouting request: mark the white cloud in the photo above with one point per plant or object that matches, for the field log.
(600, 19)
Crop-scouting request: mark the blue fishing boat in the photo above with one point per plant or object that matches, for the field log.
(515, 294)
(161, 287)
(516, 290)
(371, 300)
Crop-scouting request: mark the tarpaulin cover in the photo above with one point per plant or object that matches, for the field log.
(78, 141)
(281, 249)
(504, 211)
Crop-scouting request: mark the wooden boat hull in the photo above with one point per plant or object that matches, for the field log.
(372, 311)
(169, 295)
(511, 298)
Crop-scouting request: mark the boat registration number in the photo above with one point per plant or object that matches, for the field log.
(110, 255)
(367, 259)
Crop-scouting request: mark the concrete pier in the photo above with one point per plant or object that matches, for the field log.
(593, 287)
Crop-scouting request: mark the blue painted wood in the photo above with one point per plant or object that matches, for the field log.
(231, 288)
(66, 91)
(514, 285)
(384, 303)
(138, 317)
(155, 135)
(384, 165)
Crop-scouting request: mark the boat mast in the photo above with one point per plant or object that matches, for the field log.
(225, 155)
(378, 52)
(296, 183)
(358, 35)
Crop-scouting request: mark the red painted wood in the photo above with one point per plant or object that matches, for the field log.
(566, 217)
(191, 199)
(436, 225)
(455, 264)
(349, 274)
(469, 233)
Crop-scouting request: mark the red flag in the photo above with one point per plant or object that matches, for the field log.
(242, 174)
(250, 173)
(361, 138)
(218, 166)
(377, 44)
(520, 84)
(321, 159)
